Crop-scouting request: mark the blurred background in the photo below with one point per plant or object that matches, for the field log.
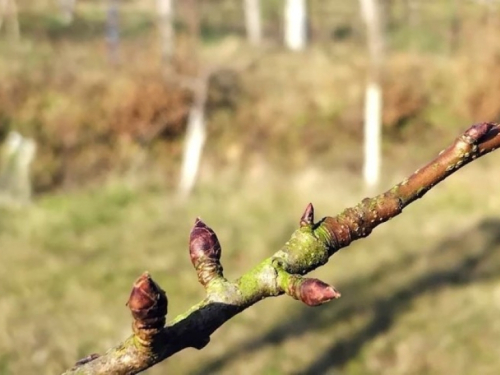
(123, 120)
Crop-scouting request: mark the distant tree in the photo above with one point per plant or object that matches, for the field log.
(295, 24)
(194, 140)
(373, 93)
(196, 126)
(166, 19)
(253, 21)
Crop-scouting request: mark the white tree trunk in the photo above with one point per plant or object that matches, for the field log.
(253, 21)
(17, 155)
(295, 24)
(373, 94)
(194, 141)
(372, 133)
(165, 10)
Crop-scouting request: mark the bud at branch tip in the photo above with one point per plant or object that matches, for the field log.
(314, 292)
(307, 218)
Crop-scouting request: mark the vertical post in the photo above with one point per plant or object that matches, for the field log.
(165, 10)
(253, 21)
(194, 140)
(295, 24)
(17, 155)
(196, 124)
(372, 134)
(373, 94)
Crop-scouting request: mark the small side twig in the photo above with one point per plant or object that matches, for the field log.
(309, 247)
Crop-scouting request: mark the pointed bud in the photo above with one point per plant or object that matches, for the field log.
(205, 252)
(476, 132)
(307, 218)
(314, 292)
(203, 242)
(148, 303)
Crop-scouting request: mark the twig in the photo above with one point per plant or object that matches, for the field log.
(309, 247)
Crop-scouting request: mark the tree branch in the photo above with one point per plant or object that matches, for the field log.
(309, 247)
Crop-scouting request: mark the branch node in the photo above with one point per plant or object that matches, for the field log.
(87, 359)
(278, 264)
(477, 131)
(312, 292)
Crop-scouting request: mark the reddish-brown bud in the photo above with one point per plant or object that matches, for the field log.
(307, 218)
(205, 252)
(477, 131)
(148, 303)
(203, 242)
(314, 292)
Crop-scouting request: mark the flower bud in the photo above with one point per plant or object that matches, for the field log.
(148, 303)
(205, 252)
(314, 292)
(476, 132)
(307, 218)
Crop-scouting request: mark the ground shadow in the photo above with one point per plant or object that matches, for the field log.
(471, 256)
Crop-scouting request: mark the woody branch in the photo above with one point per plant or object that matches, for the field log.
(309, 247)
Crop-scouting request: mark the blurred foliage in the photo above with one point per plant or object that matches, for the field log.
(421, 301)
(420, 295)
(91, 117)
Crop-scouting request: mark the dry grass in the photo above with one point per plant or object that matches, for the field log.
(420, 295)
(90, 116)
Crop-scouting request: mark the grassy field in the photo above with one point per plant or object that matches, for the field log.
(420, 296)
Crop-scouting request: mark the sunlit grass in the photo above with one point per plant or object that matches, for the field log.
(67, 265)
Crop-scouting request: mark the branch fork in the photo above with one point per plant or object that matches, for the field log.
(309, 247)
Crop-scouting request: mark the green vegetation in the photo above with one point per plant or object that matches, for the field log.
(435, 85)
(419, 296)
